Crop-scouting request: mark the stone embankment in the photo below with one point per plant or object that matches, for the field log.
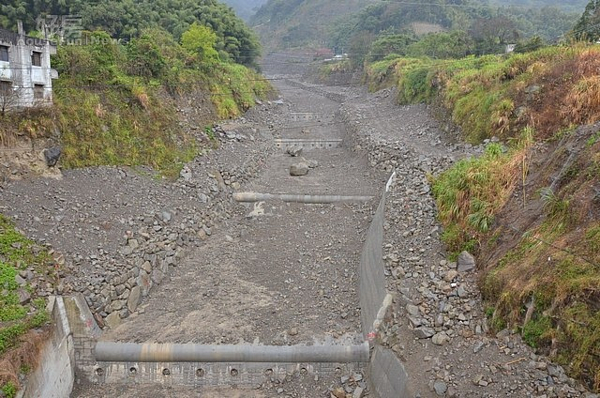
(117, 233)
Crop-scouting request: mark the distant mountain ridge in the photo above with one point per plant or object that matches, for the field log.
(571, 5)
(284, 24)
(298, 23)
(245, 8)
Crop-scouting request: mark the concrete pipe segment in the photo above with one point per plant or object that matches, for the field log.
(133, 352)
(313, 199)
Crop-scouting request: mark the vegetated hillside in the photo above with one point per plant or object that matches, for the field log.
(24, 268)
(351, 27)
(530, 207)
(117, 101)
(137, 104)
(574, 5)
(245, 8)
(283, 24)
(127, 19)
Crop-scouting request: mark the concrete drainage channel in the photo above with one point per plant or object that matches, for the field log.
(74, 348)
(75, 352)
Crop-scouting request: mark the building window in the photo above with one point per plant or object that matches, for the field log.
(5, 87)
(36, 58)
(38, 92)
(4, 53)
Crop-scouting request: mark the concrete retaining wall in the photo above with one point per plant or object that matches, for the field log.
(304, 117)
(197, 374)
(372, 280)
(55, 375)
(386, 374)
(308, 144)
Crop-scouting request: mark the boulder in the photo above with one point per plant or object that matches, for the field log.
(294, 150)
(134, 299)
(423, 332)
(113, 320)
(52, 155)
(466, 262)
(440, 338)
(24, 296)
(299, 169)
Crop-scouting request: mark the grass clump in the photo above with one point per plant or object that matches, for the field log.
(536, 331)
(471, 192)
(20, 319)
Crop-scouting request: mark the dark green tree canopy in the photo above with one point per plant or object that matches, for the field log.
(588, 26)
(126, 19)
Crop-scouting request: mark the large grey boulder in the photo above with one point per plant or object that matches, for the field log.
(299, 169)
(466, 262)
(52, 155)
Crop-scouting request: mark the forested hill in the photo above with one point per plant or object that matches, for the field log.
(573, 5)
(296, 23)
(139, 81)
(318, 23)
(245, 8)
(127, 19)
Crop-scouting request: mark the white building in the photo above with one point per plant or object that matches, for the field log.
(25, 72)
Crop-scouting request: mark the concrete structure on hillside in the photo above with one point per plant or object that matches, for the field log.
(25, 71)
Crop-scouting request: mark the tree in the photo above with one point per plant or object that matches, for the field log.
(588, 26)
(9, 97)
(359, 48)
(532, 44)
(199, 41)
(390, 44)
(456, 44)
(492, 34)
(145, 57)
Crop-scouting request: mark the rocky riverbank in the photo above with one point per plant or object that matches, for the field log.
(116, 231)
(437, 324)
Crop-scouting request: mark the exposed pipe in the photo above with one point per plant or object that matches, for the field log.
(322, 199)
(133, 352)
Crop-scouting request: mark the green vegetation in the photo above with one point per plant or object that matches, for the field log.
(574, 5)
(435, 30)
(537, 330)
(116, 104)
(116, 101)
(374, 31)
(498, 95)
(20, 309)
(9, 390)
(471, 193)
(535, 216)
(128, 19)
(546, 283)
(299, 23)
(588, 26)
(17, 253)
